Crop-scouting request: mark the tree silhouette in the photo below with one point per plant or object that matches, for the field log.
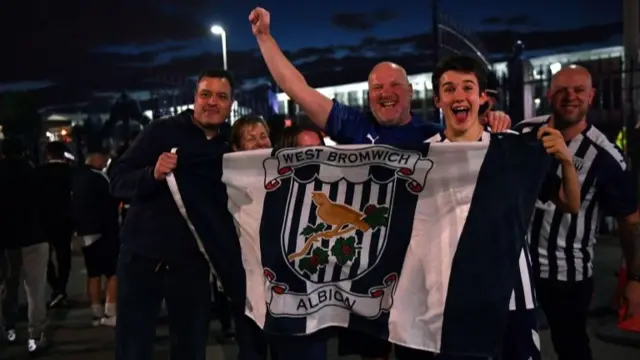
(19, 115)
(20, 118)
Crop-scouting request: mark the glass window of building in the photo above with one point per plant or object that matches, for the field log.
(352, 98)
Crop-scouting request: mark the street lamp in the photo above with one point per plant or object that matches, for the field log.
(218, 30)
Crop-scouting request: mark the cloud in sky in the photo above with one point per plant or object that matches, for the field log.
(61, 34)
(362, 21)
(25, 85)
(511, 21)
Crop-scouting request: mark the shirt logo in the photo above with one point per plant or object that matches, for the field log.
(578, 163)
(372, 139)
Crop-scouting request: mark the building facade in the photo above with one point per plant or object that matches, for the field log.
(539, 72)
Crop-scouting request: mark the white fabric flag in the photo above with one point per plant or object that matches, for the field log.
(419, 247)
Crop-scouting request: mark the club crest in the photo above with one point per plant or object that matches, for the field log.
(340, 207)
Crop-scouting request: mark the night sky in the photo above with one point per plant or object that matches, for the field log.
(339, 22)
(55, 41)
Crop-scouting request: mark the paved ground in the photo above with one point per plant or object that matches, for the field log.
(75, 339)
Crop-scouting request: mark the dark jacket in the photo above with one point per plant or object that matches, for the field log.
(95, 211)
(123, 203)
(154, 226)
(54, 184)
(19, 205)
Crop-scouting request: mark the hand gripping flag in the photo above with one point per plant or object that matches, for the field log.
(417, 247)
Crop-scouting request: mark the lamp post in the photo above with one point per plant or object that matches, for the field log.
(219, 31)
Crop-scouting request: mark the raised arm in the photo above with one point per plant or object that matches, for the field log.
(316, 105)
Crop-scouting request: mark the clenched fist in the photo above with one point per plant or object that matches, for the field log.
(260, 20)
(554, 143)
(166, 163)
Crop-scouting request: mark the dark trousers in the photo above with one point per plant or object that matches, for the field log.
(314, 346)
(254, 344)
(222, 307)
(60, 249)
(142, 285)
(252, 341)
(403, 353)
(566, 305)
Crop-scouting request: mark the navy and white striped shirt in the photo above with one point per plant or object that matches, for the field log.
(562, 244)
(523, 295)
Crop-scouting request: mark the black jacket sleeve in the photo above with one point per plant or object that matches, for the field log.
(132, 174)
(83, 202)
(95, 211)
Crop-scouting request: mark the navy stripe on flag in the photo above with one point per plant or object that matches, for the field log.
(485, 264)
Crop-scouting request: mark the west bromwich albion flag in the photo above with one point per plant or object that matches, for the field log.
(417, 247)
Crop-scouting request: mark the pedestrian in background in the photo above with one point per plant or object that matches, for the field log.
(54, 187)
(27, 250)
(95, 214)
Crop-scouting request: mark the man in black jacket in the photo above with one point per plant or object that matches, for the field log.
(159, 257)
(54, 184)
(124, 203)
(27, 249)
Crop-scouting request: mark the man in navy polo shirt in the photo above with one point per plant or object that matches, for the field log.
(389, 122)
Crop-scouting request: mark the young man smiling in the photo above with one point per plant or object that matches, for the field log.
(460, 83)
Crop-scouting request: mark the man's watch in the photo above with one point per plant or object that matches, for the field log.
(633, 277)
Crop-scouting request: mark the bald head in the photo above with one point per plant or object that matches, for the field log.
(572, 73)
(570, 94)
(388, 67)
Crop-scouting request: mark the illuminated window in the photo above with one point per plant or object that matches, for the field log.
(352, 98)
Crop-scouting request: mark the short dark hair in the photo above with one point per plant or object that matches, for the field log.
(56, 150)
(241, 123)
(217, 74)
(460, 63)
(12, 147)
(289, 137)
(97, 148)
